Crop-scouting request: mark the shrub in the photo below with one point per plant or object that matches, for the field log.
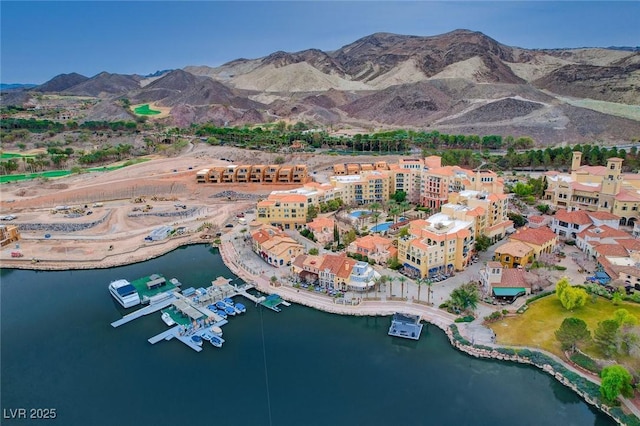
(539, 296)
(585, 362)
(467, 318)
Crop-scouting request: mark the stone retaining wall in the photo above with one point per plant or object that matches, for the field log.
(178, 213)
(479, 351)
(61, 227)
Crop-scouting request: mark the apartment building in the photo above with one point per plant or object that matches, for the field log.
(440, 244)
(366, 188)
(259, 173)
(284, 210)
(8, 234)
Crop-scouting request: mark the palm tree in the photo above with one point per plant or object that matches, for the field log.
(402, 280)
(391, 286)
(383, 279)
(465, 297)
(376, 216)
(419, 282)
(428, 283)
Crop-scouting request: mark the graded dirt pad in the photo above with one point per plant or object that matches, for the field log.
(115, 230)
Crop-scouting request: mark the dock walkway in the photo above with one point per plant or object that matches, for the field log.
(145, 311)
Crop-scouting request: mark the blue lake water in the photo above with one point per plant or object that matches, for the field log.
(297, 367)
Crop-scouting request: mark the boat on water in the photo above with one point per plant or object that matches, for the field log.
(125, 293)
(216, 330)
(221, 313)
(207, 336)
(240, 308)
(197, 340)
(167, 319)
(229, 310)
(228, 301)
(217, 341)
(221, 305)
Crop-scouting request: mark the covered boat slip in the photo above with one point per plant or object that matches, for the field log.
(187, 309)
(152, 285)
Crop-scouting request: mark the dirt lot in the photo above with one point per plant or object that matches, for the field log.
(113, 232)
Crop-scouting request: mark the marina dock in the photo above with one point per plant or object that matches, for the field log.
(145, 311)
(189, 309)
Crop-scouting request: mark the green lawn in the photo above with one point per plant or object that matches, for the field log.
(145, 110)
(536, 327)
(15, 155)
(59, 173)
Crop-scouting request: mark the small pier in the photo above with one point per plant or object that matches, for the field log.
(145, 311)
(405, 326)
(272, 301)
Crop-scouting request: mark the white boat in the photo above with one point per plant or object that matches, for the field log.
(167, 319)
(124, 293)
(216, 330)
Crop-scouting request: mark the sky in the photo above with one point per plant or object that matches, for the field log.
(39, 40)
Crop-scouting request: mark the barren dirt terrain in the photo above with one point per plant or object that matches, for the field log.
(115, 230)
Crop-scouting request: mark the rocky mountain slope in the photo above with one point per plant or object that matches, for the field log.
(462, 82)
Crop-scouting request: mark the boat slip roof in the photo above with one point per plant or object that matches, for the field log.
(187, 309)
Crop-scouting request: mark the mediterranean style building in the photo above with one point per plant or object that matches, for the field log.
(596, 188)
(438, 245)
(259, 173)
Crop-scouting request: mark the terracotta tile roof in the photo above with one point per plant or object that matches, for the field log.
(478, 211)
(594, 170)
(515, 249)
(602, 232)
(612, 250)
(603, 215)
(631, 176)
(493, 264)
(578, 217)
(539, 236)
(346, 268)
(321, 222)
(332, 262)
(577, 186)
(370, 241)
(260, 236)
(627, 196)
(536, 219)
(608, 267)
(631, 244)
(513, 277)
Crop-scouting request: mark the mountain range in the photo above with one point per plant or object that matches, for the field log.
(461, 82)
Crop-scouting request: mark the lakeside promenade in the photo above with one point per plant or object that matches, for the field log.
(241, 265)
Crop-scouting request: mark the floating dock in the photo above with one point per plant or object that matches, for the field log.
(272, 301)
(405, 326)
(189, 308)
(145, 311)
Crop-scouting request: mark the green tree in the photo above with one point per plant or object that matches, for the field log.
(561, 286)
(349, 237)
(313, 251)
(399, 196)
(312, 212)
(623, 317)
(573, 297)
(465, 297)
(616, 380)
(571, 332)
(336, 234)
(482, 243)
(279, 160)
(518, 220)
(404, 232)
(543, 208)
(606, 335)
